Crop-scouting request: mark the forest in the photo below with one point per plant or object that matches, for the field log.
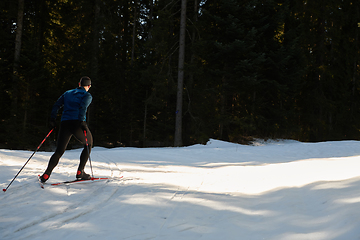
(178, 72)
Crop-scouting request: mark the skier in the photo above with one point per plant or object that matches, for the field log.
(73, 123)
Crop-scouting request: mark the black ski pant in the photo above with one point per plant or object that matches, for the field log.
(67, 130)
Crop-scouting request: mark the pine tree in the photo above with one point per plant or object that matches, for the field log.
(179, 98)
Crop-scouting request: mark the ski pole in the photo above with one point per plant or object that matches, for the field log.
(29, 159)
(87, 147)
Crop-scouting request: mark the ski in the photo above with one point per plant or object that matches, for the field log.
(83, 181)
(41, 183)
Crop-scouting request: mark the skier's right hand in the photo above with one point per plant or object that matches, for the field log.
(83, 126)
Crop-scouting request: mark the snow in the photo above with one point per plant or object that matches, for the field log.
(278, 189)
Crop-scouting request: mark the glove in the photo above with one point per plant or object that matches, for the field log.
(52, 123)
(83, 126)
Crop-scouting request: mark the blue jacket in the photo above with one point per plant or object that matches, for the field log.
(75, 103)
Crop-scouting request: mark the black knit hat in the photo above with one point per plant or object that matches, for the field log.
(85, 81)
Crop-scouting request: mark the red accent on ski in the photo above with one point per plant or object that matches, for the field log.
(41, 184)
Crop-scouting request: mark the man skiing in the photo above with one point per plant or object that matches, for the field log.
(73, 123)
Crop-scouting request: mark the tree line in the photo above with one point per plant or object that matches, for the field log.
(249, 68)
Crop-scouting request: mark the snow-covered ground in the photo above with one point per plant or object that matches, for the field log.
(269, 190)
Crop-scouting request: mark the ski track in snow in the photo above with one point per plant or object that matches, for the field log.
(78, 207)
